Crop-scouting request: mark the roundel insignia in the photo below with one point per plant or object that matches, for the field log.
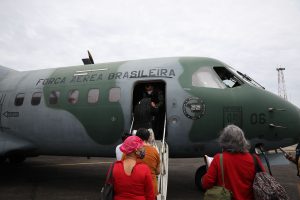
(193, 108)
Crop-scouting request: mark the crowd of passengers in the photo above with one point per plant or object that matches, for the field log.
(138, 165)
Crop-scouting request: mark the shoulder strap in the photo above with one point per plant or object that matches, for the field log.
(257, 167)
(110, 172)
(222, 170)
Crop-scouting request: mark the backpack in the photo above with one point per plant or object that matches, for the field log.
(265, 186)
(218, 192)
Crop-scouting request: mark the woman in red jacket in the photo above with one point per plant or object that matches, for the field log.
(238, 165)
(132, 179)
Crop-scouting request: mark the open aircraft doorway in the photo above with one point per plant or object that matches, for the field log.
(152, 92)
(149, 111)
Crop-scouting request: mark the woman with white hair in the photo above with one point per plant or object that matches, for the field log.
(238, 165)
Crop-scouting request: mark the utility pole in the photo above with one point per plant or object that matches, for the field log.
(281, 83)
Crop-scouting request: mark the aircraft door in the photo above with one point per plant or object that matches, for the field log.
(149, 111)
(149, 107)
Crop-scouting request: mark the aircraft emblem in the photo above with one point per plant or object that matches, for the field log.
(193, 108)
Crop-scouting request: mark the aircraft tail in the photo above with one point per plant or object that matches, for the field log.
(4, 71)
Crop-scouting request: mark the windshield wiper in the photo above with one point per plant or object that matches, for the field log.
(245, 76)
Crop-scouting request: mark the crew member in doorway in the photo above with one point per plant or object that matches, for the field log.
(157, 103)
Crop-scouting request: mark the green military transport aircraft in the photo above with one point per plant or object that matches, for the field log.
(83, 110)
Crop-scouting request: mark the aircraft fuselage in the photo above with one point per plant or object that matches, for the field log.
(83, 110)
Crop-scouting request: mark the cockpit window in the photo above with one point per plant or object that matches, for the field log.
(206, 77)
(227, 77)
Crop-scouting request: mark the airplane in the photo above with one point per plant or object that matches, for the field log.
(83, 110)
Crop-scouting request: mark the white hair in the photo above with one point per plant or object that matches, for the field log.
(232, 139)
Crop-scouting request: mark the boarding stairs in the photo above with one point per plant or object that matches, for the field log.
(163, 149)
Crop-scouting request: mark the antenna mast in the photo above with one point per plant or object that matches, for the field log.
(281, 83)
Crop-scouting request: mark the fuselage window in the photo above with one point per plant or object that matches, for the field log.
(114, 94)
(206, 77)
(19, 99)
(73, 96)
(93, 96)
(54, 96)
(227, 77)
(36, 98)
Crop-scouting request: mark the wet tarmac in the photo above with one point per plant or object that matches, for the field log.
(64, 178)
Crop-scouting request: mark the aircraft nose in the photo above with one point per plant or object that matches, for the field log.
(290, 119)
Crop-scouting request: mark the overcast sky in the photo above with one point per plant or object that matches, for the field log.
(254, 36)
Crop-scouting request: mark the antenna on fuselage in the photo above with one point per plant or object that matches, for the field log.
(89, 60)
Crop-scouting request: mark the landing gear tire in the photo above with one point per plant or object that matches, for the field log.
(16, 159)
(198, 175)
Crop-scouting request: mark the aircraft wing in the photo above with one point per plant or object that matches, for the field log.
(12, 144)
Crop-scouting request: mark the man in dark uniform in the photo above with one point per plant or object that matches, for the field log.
(157, 103)
(156, 95)
(143, 113)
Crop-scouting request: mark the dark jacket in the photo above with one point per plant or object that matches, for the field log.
(143, 113)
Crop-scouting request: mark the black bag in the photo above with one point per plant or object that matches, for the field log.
(266, 187)
(107, 191)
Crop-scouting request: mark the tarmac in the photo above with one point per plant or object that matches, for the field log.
(64, 178)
